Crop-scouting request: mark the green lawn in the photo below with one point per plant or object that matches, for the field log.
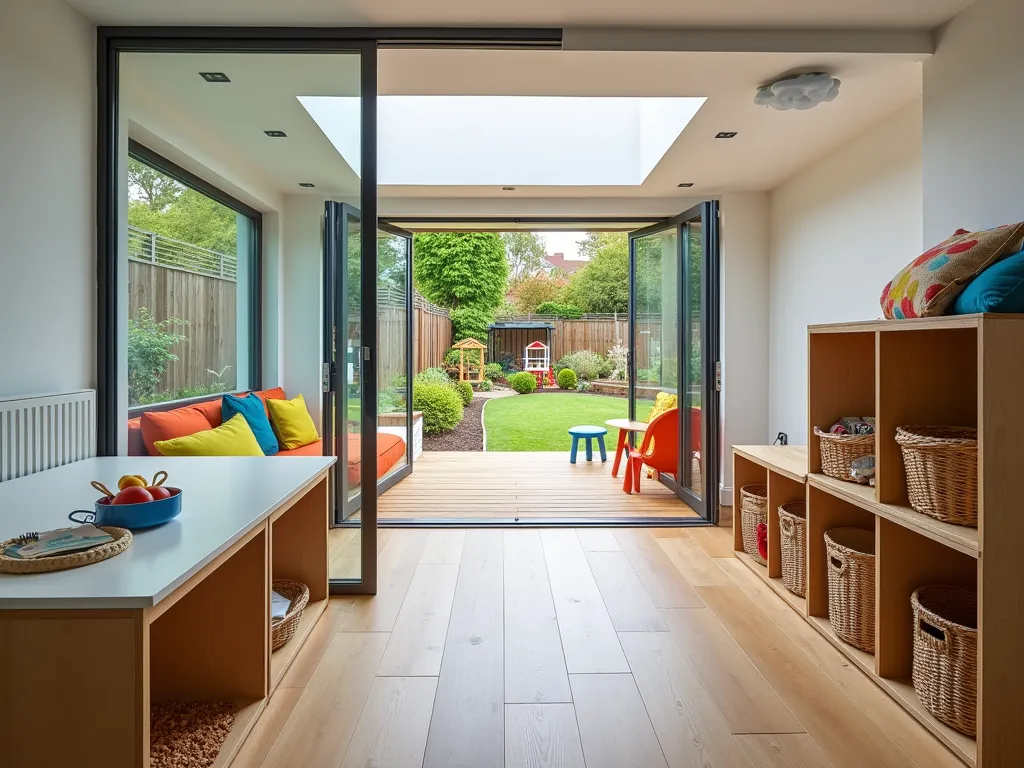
(540, 422)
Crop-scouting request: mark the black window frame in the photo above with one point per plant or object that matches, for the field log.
(254, 376)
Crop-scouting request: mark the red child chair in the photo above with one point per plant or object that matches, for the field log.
(663, 456)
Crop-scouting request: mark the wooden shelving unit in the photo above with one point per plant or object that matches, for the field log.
(964, 371)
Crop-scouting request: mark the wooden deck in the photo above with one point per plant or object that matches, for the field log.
(452, 485)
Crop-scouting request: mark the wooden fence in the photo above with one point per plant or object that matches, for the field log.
(595, 334)
(206, 304)
(432, 334)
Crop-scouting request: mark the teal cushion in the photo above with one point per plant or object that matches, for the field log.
(1000, 288)
(251, 408)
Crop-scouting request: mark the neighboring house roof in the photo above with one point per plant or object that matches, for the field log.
(558, 261)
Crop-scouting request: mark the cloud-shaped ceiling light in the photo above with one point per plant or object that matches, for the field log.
(798, 91)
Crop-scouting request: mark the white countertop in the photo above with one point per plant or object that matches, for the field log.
(223, 498)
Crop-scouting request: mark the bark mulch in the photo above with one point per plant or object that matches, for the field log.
(468, 436)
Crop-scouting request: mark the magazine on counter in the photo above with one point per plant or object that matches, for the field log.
(58, 542)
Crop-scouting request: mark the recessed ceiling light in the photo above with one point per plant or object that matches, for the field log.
(215, 77)
(507, 189)
(686, 184)
(726, 135)
(276, 134)
(307, 184)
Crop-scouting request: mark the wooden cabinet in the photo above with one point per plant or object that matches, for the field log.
(962, 371)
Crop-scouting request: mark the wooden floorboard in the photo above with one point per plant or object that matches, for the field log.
(505, 485)
(467, 729)
(588, 636)
(534, 663)
(463, 659)
(542, 736)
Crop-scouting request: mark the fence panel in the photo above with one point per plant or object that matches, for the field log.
(206, 303)
(432, 334)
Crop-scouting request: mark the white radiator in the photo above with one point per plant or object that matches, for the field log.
(46, 431)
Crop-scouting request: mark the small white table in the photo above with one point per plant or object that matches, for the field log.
(183, 613)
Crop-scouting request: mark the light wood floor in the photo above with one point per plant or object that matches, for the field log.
(578, 648)
(509, 485)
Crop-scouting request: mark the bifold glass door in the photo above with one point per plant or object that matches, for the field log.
(673, 344)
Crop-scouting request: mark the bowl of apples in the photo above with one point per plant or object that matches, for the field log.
(137, 504)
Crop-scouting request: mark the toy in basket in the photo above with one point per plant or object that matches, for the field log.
(138, 503)
(848, 449)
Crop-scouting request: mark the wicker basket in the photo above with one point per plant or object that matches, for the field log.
(942, 472)
(793, 542)
(851, 585)
(839, 451)
(945, 671)
(754, 511)
(282, 630)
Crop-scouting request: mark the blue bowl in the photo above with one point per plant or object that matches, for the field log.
(134, 517)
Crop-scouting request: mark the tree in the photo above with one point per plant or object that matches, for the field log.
(534, 290)
(150, 186)
(525, 253)
(471, 323)
(602, 285)
(458, 269)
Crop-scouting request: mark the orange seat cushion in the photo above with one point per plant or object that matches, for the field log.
(390, 450)
(167, 425)
(316, 448)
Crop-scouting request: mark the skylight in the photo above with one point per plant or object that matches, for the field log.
(509, 140)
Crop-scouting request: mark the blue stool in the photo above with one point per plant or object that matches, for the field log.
(587, 432)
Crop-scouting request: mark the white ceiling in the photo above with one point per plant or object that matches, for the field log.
(164, 96)
(859, 14)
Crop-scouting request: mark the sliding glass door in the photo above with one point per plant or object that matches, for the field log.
(673, 344)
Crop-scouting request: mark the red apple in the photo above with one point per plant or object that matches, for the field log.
(132, 494)
(158, 492)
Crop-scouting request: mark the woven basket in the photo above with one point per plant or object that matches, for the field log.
(942, 472)
(851, 585)
(282, 630)
(793, 542)
(122, 540)
(839, 451)
(754, 511)
(945, 671)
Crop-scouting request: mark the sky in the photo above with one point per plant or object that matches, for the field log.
(563, 242)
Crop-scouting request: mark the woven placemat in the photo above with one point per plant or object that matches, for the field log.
(188, 734)
(122, 540)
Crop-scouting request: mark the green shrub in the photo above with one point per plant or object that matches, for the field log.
(471, 322)
(149, 354)
(493, 371)
(524, 383)
(567, 379)
(433, 376)
(451, 357)
(587, 364)
(607, 368)
(440, 404)
(484, 386)
(559, 310)
(465, 390)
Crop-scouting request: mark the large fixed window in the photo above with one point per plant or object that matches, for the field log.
(193, 277)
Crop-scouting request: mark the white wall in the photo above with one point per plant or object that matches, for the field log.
(839, 231)
(47, 198)
(974, 121)
(302, 296)
(744, 398)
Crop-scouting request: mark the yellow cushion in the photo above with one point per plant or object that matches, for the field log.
(292, 423)
(232, 438)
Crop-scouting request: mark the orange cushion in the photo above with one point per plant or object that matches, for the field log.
(315, 448)
(211, 409)
(390, 449)
(136, 447)
(277, 393)
(167, 425)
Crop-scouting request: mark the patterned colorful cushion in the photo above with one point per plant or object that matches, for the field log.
(932, 281)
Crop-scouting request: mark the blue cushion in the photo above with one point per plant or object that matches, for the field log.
(251, 407)
(1000, 288)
